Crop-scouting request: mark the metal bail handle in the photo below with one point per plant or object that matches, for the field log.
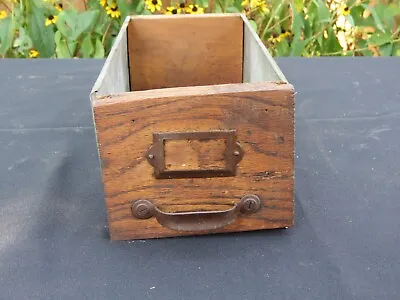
(196, 221)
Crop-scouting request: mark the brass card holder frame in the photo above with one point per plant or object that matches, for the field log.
(232, 156)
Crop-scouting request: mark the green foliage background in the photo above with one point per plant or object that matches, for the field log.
(288, 28)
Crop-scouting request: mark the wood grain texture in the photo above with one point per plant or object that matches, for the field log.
(262, 114)
(195, 154)
(187, 50)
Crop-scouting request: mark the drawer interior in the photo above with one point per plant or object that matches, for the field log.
(158, 52)
(177, 52)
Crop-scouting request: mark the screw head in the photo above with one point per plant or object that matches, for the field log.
(236, 153)
(142, 209)
(250, 204)
(151, 156)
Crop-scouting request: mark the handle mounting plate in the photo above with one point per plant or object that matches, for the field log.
(196, 220)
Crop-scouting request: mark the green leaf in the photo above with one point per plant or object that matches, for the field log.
(283, 13)
(253, 24)
(100, 27)
(146, 12)
(379, 39)
(72, 25)
(297, 24)
(392, 10)
(124, 7)
(282, 49)
(85, 22)
(324, 15)
(72, 47)
(65, 22)
(5, 35)
(312, 14)
(386, 50)
(99, 49)
(320, 40)
(62, 50)
(389, 14)
(138, 6)
(375, 16)
(108, 43)
(385, 14)
(218, 8)
(349, 53)
(87, 48)
(23, 41)
(233, 9)
(299, 5)
(307, 29)
(92, 4)
(332, 43)
(396, 51)
(298, 47)
(42, 36)
(356, 14)
(362, 44)
(276, 7)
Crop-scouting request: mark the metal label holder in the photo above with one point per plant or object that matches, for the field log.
(233, 154)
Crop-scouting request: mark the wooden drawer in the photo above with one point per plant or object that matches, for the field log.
(195, 129)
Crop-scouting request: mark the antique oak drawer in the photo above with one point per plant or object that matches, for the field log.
(195, 129)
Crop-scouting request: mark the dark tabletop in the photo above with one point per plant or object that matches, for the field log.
(345, 243)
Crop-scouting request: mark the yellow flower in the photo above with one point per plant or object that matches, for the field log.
(257, 5)
(103, 2)
(59, 6)
(278, 38)
(254, 4)
(345, 11)
(271, 39)
(195, 9)
(33, 53)
(262, 5)
(153, 5)
(172, 10)
(182, 5)
(283, 35)
(3, 14)
(113, 11)
(50, 20)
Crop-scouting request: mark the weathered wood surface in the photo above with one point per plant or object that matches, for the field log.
(114, 76)
(195, 154)
(262, 114)
(177, 51)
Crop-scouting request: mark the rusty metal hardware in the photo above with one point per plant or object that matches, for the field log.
(199, 220)
(233, 155)
(250, 204)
